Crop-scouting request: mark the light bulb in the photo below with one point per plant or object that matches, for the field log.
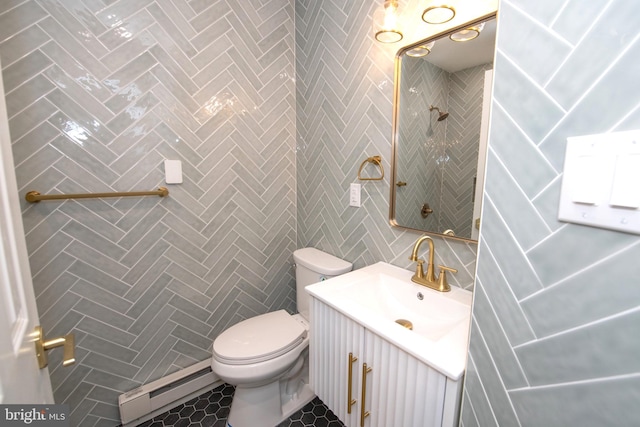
(390, 17)
(386, 26)
(467, 34)
(419, 51)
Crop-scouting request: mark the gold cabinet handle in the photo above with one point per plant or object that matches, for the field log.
(364, 414)
(350, 400)
(42, 346)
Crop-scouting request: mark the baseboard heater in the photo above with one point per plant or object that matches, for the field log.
(149, 400)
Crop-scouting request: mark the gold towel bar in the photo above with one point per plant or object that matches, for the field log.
(376, 160)
(35, 197)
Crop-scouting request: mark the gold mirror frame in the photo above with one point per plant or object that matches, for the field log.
(395, 126)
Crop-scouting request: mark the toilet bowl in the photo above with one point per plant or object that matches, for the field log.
(265, 357)
(260, 348)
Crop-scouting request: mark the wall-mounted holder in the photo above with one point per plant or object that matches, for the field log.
(376, 160)
(426, 210)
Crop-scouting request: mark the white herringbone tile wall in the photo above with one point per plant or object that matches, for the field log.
(554, 339)
(99, 93)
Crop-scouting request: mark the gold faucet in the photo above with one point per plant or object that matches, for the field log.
(429, 279)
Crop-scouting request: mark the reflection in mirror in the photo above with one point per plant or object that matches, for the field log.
(441, 106)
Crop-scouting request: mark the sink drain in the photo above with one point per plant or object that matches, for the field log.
(404, 322)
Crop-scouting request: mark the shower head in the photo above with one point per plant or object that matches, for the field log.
(441, 114)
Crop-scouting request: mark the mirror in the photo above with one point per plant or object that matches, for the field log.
(440, 127)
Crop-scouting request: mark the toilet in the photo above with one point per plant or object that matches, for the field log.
(266, 357)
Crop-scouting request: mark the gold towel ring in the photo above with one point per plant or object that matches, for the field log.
(376, 160)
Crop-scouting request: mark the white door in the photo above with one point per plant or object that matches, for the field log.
(21, 381)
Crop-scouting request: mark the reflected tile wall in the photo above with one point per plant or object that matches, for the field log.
(439, 159)
(99, 94)
(553, 340)
(420, 135)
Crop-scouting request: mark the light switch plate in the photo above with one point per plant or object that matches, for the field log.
(173, 171)
(354, 195)
(601, 181)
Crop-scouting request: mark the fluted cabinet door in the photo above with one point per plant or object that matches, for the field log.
(401, 390)
(333, 338)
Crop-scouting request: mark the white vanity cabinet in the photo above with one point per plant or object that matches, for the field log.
(388, 386)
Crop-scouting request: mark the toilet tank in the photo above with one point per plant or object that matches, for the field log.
(313, 266)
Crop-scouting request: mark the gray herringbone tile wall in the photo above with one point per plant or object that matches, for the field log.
(439, 159)
(554, 338)
(99, 93)
(344, 93)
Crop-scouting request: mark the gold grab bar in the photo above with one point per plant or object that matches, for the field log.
(350, 400)
(35, 197)
(376, 160)
(364, 414)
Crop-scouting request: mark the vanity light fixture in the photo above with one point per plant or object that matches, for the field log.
(420, 51)
(438, 14)
(385, 23)
(467, 34)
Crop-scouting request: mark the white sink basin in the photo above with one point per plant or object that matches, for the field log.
(432, 314)
(378, 295)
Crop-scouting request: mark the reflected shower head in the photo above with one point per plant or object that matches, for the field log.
(441, 114)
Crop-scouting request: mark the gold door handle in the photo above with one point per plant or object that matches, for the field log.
(364, 414)
(42, 346)
(350, 400)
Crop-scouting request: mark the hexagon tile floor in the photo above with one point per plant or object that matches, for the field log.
(212, 408)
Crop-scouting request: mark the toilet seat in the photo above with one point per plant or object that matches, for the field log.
(259, 339)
